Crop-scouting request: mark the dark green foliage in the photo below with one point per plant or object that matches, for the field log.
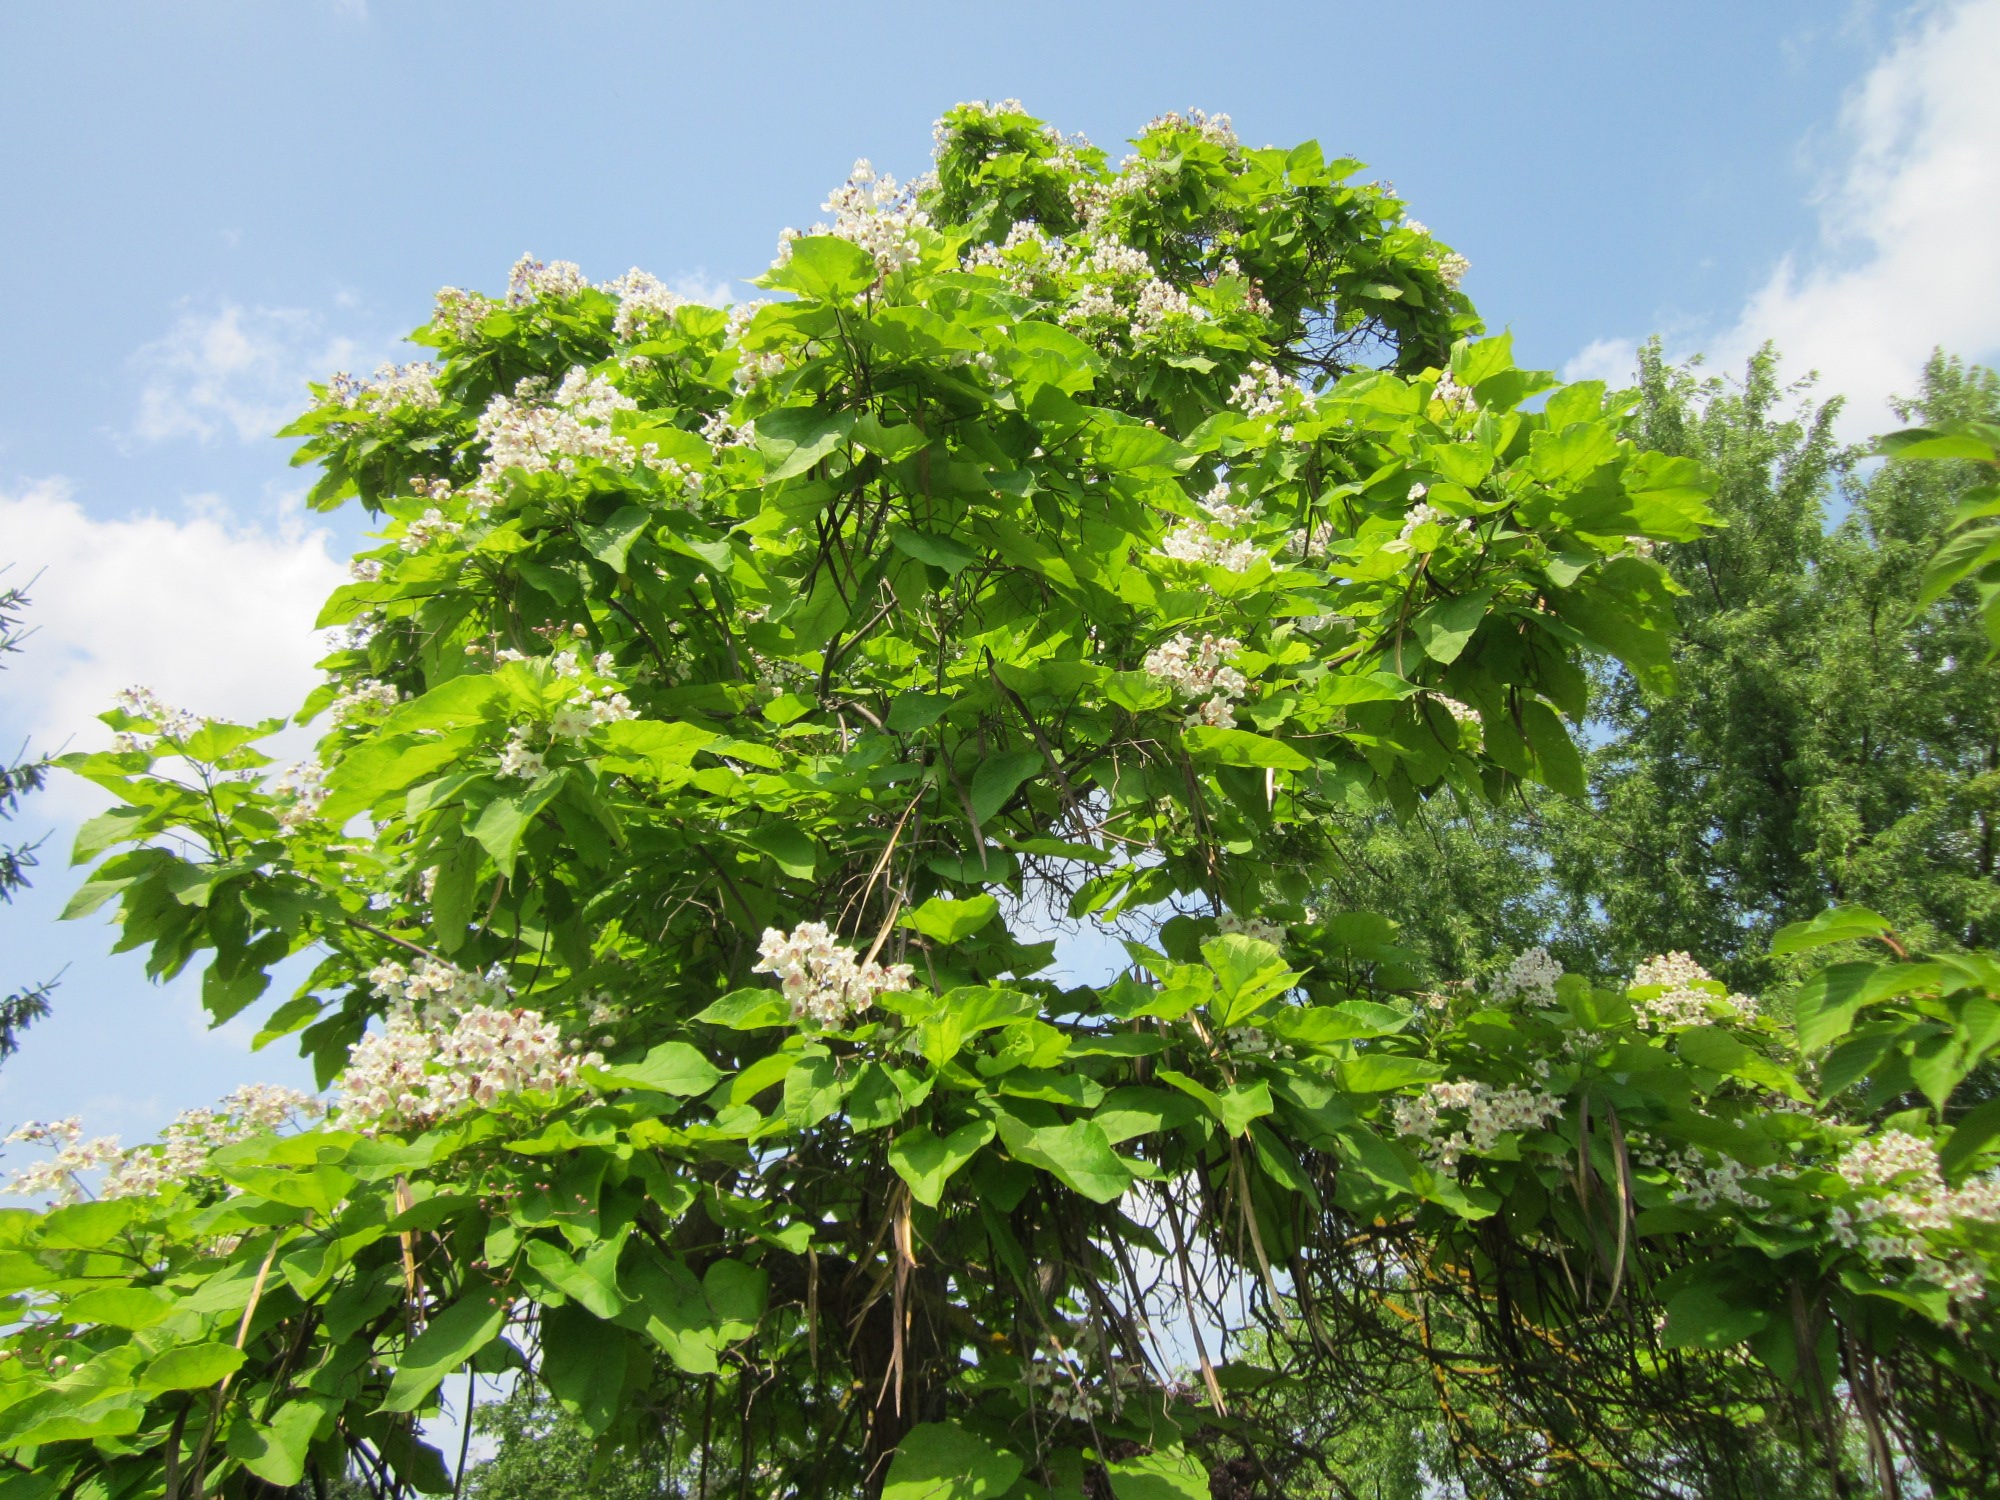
(1829, 742)
(544, 1453)
(18, 779)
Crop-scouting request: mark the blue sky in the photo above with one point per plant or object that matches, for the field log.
(209, 203)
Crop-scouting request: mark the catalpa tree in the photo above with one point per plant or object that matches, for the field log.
(735, 704)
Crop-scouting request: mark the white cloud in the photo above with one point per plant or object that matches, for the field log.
(215, 616)
(1613, 361)
(1908, 254)
(699, 286)
(238, 372)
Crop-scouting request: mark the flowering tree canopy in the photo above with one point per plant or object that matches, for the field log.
(736, 708)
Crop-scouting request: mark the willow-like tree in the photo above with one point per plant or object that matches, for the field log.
(732, 705)
(19, 778)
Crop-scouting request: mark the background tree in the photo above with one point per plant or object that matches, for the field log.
(542, 1452)
(19, 778)
(1830, 742)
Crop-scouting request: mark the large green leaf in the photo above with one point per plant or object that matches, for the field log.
(276, 1451)
(795, 438)
(943, 552)
(1239, 747)
(590, 1279)
(1837, 924)
(1077, 1154)
(927, 1162)
(827, 267)
(1444, 628)
(998, 778)
(788, 846)
(1625, 607)
(669, 1068)
(447, 1342)
(943, 1461)
(1379, 1072)
(948, 921)
(1164, 1474)
(191, 1367)
(1234, 1106)
(1704, 1316)
(121, 1306)
(583, 1364)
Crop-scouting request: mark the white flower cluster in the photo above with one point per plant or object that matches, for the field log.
(1193, 669)
(1489, 1114)
(184, 1147)
(1159, 301)
(1704, 1185)
(1030, 254)
(1194, 543)
(427, 528)
(871, 211)
(534, 280)
(753, 368)
(1451, 393)
(1251, 927)
(720, 432)
(357, 632)
(368, 696)
(1463, 713)
(1690, 997)
(522, 432)
(643, 301)
(1216, 128)
(459, 312)
(60, 1177)
(1250, 1041)
(1910, 1200)
(1261, 390)
(588, 707)
(1677, 970)
(304, 788)
(1423, 513)
(519, 757)
(365, 569)
(434, 985)
(1118, 261)
(1071, 1394)
(1451, 268)
(824, 981)
(168, 722)
(1116, 274)
(416, 1070)
(393, 386)
(1225, 511)
(181, 1153)
(942, 130)
(1532, 976)
(1090, 303)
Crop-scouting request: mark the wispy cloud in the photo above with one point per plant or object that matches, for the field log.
(1908, 252)
(699, 286)
(236, 372)
(215, 616)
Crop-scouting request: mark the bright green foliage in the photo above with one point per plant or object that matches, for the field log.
(1834, 738)
(1973, 550)
(1003, 564)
